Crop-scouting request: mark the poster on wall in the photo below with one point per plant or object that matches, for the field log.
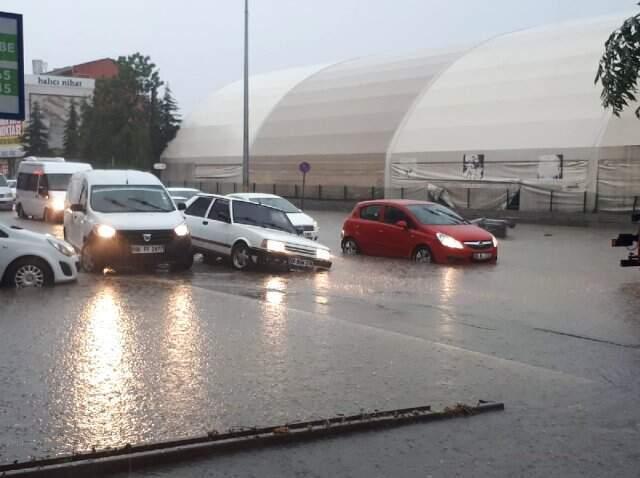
(55, 109)
(550, 166)
(473, 166)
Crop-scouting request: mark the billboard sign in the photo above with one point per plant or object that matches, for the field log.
(11, 67)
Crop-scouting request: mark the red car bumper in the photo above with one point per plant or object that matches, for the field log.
(467, 255)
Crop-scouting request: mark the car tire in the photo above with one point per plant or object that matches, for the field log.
(422, 255)
(241, 257)
(350, 247)
(29, 272)
(88, 260)
(184, 265)
(20, 211)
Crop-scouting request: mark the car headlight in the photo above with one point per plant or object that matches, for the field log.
(448, 241)
(315, 226)
(105, 232)
(275, 246)
(62, 247)
(57, 204)
(494, 240)
(323, 254)
(181, 230)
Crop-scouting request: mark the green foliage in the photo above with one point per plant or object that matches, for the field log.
(35, 140)
(72, 134)
(620, 66)
(123, 126)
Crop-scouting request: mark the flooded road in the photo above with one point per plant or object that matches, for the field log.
(553, 330)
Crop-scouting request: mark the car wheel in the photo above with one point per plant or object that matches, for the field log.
(350, 247)
(183, 265)
(88, 260)
(422, 255)
(29, 272)
(241, 257)
(20, 211)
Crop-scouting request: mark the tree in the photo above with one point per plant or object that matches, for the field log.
(619, 66)
(169, 121)
(35, 140)
(123, 126)
(72, 133)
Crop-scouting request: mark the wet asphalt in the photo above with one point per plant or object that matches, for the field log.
(552, 330)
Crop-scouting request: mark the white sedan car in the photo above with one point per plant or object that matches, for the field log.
(304, 224)
(250, 234)
(30, 259)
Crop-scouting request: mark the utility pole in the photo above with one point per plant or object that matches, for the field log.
(245, 139)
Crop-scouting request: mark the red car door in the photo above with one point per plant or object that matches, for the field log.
(397, 241)
(367, 227)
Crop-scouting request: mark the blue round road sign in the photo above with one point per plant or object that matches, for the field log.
(304, 167)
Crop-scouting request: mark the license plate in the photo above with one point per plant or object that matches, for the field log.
(297, 262)
(147, 249)
(482, 256)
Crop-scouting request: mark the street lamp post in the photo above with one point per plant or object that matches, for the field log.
(245, 135)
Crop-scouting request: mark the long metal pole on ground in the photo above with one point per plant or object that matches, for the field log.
(245, 134)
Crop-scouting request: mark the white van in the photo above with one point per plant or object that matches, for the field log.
(120, 218)
(42, 186)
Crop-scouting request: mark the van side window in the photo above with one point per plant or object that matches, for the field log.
(83, 194)
(31, 182)
(23, 181)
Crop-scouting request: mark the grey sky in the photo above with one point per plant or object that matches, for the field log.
(197, 44)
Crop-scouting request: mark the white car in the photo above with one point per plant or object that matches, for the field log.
(6, 195)
(12, 185)
(30, 259)
(124, 219)
(304, 224)
(250, 234)
(182, 194)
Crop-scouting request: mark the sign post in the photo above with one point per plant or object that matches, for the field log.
(11, 67)
(304, 168)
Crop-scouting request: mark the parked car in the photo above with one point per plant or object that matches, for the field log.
(423, 231)
(42, 187)
(125, 219)
(6, 196)
(29, 259)
(305, 225)
(250, 233)
(182, 194)
(12, 183)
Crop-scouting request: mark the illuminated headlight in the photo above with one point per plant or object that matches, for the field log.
(181, 230)
(315, 226)
(494, 240)
(57, 204)
(448, 241)
(105, 232)
(62, 247)
(323, 255)
(275, 246)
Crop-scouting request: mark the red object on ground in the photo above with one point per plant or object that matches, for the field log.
(403, 228)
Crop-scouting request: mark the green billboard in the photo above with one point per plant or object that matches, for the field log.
(11, 67)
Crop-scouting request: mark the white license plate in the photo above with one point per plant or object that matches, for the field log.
(147, 249)
(297, 262)
(482, 256)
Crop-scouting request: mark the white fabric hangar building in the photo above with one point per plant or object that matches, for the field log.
(518, 114)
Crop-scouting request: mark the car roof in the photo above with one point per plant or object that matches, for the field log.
(52, 167)
(253, 195)
(183, 189)
(109, 177)
(394, 202)
(234, 198)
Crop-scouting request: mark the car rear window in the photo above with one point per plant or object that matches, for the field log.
(370, 213)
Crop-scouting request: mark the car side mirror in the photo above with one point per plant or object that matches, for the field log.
(182, 206)
(402, 224)
(77, 208)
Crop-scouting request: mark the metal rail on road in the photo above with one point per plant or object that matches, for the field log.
(129, 457)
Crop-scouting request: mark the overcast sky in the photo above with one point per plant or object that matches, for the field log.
(197, 44)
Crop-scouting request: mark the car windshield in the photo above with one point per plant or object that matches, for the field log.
(58, 182)
(278, 203)
(258, 215)
(432, 214)
(114, 199)
(3, 181)
(183, 193)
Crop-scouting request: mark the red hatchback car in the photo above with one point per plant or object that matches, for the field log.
(423, 231)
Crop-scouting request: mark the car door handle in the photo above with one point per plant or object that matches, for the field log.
(205, 222)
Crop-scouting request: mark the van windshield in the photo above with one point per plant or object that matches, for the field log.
(129, 198)
(57, 182)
